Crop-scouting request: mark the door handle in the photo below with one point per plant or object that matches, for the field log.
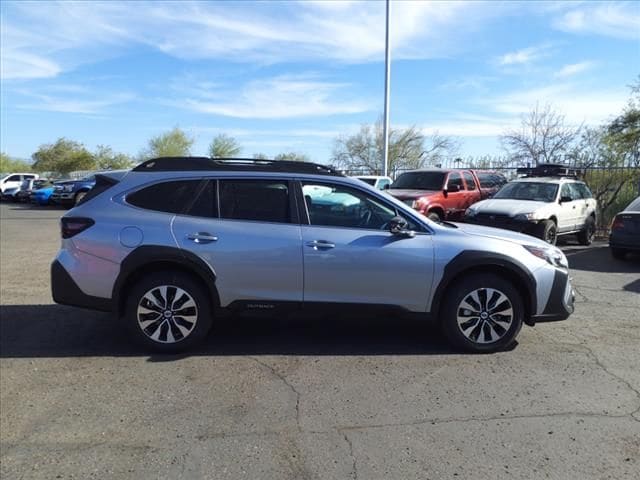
(320, 245)
(202, 237)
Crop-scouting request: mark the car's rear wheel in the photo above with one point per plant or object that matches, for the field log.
(618, 253)
(482, 313)
(168, 312)
(586, 235)
(548, 231)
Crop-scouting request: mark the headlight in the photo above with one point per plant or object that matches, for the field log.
(525, 217)
(551, 255)
(471, 212)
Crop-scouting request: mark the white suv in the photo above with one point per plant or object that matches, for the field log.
(544, 207)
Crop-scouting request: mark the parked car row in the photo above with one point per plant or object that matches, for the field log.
(20, 187)
(548, 201)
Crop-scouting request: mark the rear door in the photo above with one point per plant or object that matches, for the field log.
(473, 190)
(454, 202)
(247, 230)
(570, 208)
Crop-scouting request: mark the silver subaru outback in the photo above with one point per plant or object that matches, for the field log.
(175, 242)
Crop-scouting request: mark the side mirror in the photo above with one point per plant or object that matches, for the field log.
(453, 188)
(398, 226)
(565, 199)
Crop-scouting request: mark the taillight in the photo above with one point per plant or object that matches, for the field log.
(70, 226)
(618, 223)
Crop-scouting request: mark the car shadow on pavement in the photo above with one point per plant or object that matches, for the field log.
(57, 331)
(599, 259)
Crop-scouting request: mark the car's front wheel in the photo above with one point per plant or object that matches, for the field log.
(482, 313)
(168, 312)
(548, 231)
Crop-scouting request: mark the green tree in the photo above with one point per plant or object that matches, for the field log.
(8, 164)
(63, 157)
(293, 157)
(224, 146)
(260, 156)
(174, 143)
(623, 133)
(409, 148)
(107, 159)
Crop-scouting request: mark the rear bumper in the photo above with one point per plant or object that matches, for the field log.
(65, 291)
(560, 304)
(625, 241)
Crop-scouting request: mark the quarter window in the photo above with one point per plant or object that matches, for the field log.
(169, 197)
(258, 200)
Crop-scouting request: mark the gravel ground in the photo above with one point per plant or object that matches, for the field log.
(313, 397)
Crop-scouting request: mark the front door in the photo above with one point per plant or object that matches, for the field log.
(351, 257)
(454, 202)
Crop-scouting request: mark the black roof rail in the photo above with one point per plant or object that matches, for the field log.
(550, 170)
(177, 164)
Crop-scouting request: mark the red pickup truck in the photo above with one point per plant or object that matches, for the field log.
(439, 194)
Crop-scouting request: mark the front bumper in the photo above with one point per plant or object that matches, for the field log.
(560, 304)
(62, 197)
(522, 226)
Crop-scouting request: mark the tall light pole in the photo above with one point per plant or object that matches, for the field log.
(387, 85)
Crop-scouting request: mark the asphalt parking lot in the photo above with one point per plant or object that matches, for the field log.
(314, 398)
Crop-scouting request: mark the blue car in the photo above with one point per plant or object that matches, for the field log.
(42, 196)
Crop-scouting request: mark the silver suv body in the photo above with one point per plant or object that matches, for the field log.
(175, 241)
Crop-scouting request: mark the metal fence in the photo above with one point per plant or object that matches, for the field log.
(614, 187)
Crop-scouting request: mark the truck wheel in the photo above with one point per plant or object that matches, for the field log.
(547, 231)
(434, 216)
(78, 198)
(585, 237)
(482, 313)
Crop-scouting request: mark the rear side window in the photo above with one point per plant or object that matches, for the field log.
(455, 179)
(584, 190)
(258, 200)
(169, 197)
(468, 178)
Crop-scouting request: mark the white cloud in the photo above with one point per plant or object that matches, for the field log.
(612, 19)
(82, 100)
(524, 56)
(59, 36)
(573, 69)
(278, 97)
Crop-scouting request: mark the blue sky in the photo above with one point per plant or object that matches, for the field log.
(291, 76)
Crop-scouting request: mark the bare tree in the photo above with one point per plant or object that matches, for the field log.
(409, 149)
(543, 137)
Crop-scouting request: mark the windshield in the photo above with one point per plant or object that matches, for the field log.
(370, 181)
(536, 191)
(420, 181)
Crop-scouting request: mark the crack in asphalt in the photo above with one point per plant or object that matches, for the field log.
(354, 466)
(284, 380)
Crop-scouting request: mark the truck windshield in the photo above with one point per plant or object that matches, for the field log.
(537, 191)
(420, 181)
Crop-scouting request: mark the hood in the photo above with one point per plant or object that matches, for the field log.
(407, 193)
(500, 234)
(508, 206)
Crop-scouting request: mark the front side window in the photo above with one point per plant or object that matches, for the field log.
(257, 200)
(584, 190)
(339, 206)
(468, 178)
(169, 197)
(455, 180)
(14, 178)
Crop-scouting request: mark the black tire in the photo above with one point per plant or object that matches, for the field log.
(585, 236)
(618, 253)
(78, 198)
(434, 216)
(453, 314)
(547, 231)
(195, 321)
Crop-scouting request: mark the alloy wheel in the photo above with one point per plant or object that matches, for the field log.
(485, 315)
(167, 314)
